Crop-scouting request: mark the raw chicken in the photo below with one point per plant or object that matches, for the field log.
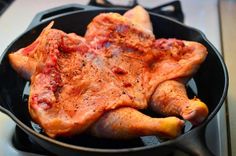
(79, 84)
(171, 98)
(139, 16)
(123, 123)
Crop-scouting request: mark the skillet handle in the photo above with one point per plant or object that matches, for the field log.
(57, 11)
(194, 143)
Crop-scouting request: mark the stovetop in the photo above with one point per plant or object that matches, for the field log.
(196, 13)
(4, 4)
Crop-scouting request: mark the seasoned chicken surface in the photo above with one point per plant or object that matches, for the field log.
(171, 98)
(99, 82)
(123, 123)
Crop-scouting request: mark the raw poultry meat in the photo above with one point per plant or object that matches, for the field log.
(171, 98)
(139, 16)
(126, 122)
(99, 82)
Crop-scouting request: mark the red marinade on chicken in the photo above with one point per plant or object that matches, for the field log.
(99, 83)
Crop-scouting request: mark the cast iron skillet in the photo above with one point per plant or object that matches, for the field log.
(211, 84)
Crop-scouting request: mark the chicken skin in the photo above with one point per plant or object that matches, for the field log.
(126, 122)
(171, 98)
(139, 16)
(99, 82)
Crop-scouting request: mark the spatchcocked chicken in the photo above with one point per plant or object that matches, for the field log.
(99, 83)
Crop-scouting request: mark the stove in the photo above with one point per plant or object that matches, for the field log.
(4, 5)
(202, 15)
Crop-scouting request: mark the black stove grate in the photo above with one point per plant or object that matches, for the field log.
(172, 9)
(21, 141)
(4, 4)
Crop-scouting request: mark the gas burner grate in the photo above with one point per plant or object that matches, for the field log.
(172, 9)
(21, 141)
(4, 4)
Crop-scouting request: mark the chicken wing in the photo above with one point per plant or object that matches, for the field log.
(24, 61)
(139, 16)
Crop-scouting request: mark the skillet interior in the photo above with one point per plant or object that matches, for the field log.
(211, 79)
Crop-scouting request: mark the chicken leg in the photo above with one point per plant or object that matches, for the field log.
(170, 98)
(126, 122)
